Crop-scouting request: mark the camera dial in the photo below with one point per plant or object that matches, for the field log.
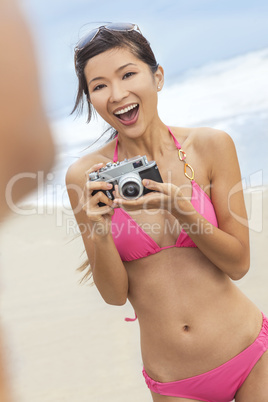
(94, 176)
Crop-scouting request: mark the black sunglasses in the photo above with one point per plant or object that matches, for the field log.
(116, 26)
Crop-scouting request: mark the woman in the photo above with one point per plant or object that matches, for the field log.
(26, 144)
(175, 251)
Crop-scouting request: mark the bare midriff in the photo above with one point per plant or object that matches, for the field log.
(192, 316)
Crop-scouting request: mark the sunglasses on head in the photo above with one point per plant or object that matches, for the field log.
(111, 26)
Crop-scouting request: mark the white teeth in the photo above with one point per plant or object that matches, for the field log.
(127, 109)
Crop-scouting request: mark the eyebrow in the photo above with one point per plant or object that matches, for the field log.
(118, 70)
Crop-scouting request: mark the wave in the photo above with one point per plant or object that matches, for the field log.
(230, 95)
(218, 91)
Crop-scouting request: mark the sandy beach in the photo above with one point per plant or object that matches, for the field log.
(62, 342)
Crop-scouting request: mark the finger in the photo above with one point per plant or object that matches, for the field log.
(94, 168)
(98, 213)
(116, 192)
(92, 202)
(133, 202)
(152, 200)
(90, 187)
(153, 185)
(106, 210)
(111, 212)
(121, 202)
(98, 185)
(101, 197)
(165, 188)
(118, 202)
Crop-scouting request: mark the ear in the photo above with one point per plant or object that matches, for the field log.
(159, 78)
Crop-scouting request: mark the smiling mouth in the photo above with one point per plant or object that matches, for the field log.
(128, 113)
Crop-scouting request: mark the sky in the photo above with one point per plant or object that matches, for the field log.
(184, 34)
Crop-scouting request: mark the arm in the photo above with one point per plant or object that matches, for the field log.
(227, 246)
(25, 139)
(108, 271)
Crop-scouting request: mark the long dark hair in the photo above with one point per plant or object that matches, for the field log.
(106, 40)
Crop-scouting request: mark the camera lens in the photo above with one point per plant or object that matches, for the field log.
(130, 186)
(131, 190)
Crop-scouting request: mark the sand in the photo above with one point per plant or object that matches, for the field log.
(62, 342)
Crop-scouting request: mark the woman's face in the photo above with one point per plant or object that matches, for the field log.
(123, 90)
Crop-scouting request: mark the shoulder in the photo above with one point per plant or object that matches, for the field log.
(214, 140)
(210, 148)
(217, 151)
(216, 145)
(210, 138)
(205, 139)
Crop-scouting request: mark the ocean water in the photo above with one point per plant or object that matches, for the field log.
(184, 34)
(230, 95)
(215, 56)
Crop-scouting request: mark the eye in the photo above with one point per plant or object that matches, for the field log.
(127, 75)
(98, 87)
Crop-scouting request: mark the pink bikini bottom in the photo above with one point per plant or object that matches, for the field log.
(221, 383)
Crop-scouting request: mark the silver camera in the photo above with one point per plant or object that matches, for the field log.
(128, 175)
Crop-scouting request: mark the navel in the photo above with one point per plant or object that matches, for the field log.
(186, 328)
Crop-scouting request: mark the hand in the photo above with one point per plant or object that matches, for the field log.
(99, 217)
(165, 196)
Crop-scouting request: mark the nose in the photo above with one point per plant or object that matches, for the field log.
(118, 92)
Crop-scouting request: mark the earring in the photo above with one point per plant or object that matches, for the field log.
(158, 87)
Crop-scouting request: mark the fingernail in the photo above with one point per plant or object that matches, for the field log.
(109, 185)
(147, 183)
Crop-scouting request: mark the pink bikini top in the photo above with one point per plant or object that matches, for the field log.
(132, 242)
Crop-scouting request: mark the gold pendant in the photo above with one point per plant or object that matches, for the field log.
(191, 169)
(182, 154)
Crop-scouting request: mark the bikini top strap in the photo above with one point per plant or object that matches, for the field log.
(178, 145)
(131, 319)
(115, 158)
(182, 157)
